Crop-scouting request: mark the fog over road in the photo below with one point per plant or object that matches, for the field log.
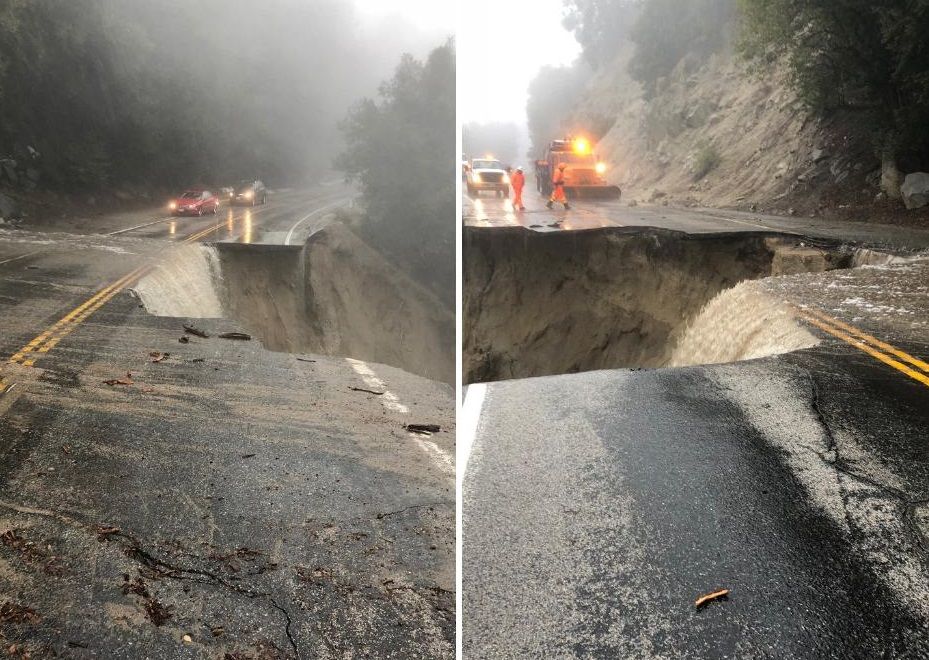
(206, 496)
(598, 506)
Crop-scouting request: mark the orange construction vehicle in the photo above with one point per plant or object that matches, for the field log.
(584, 174)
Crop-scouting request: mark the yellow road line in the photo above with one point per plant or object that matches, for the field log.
(76, 315)
(51, 336)
(887, 348)
(862, 345)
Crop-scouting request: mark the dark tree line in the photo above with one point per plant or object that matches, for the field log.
(866, 59)
(863, 60)
(165, 93)
(401, 150)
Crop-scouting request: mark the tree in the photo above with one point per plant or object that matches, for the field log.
(600, 26)
(553, 95)
(867, 59)
(401, 150)
(668, 30)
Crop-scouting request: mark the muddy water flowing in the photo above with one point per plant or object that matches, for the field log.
(542, 304)
(185, 283)
(741, 323)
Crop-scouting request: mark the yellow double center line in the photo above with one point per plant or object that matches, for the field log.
(892, 356)
(50, 337)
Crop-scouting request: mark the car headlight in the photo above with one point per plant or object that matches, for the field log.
(172, 205)
(506, 178)
(249, 194)
(601, 168)
(477, 177)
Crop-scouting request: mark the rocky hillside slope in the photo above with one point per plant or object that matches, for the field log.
(723, 133)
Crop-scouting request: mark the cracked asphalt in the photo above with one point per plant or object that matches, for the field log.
(224, 502)
(598, 513)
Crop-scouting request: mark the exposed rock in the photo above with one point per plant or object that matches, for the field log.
(8, 208)
(8, 170)
(818, 155)
(915, 190)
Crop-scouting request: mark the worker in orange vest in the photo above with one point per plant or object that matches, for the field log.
(518, 181)
(558, 188)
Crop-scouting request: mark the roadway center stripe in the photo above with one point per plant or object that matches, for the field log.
(887, 348)
(863, 346)
(51, 336)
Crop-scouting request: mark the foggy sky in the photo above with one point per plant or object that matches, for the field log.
(501, 46)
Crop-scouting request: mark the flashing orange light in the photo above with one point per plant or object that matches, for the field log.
(581, 146)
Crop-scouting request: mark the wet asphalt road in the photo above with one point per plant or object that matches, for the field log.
(490, 211)
(599, 506)
(223, 500)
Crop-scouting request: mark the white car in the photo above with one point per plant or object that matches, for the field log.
(488, 174)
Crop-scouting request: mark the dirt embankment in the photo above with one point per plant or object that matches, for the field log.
(745, 127)
(333, 296)
(542, 304)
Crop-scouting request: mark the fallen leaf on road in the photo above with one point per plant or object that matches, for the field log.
(235, 335)
(157, 612)
(709, 598)
(105, 531)
(120, 381)
(184, 340)
(425, 429)
(305, 360)
(187, 639)
(217, 630)
(248, 455)
(193, 330)
(158, 357)
(13, 613)
(361, 389)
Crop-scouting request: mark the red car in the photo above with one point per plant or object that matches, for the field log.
(194, 202)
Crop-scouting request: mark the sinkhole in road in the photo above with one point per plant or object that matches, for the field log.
(334, 296)
(538, 304)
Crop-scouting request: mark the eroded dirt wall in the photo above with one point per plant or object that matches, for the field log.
(539, 304)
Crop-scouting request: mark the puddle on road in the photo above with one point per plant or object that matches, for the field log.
(333, 296)
(546, 304)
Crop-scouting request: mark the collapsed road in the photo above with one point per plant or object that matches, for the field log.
(710, 401)
(173, 493)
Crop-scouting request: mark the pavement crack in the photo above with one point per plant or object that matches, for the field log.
(429, 505)
(134, 549)
(840, 465)
(287, 630)
(831, 444)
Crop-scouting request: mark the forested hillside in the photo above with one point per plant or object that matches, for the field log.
(794, 104)
(97, 94)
